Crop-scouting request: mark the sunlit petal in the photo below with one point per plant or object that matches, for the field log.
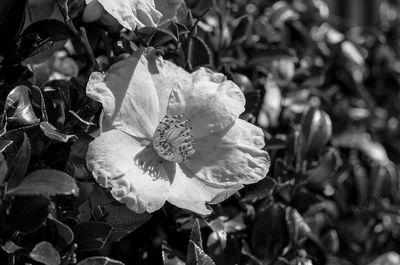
(211, 102)
(189, 192)
(128, 95)
(136, 175)
(231, 156)
(132, 13)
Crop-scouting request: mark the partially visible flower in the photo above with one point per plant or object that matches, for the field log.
(168, 135)
(131, 13)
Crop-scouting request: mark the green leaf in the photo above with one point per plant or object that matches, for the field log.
(91, 235)
(45, 253)
(52, 132)
(18, 157)
(99, 261)
(46, 181)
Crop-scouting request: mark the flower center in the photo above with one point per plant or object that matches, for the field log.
(173, 139)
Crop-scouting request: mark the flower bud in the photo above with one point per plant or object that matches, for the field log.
(316, 131)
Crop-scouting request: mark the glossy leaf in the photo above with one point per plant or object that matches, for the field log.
(51, 132)
(18, 157)
(41, 39)
(18, 108)
(45, 253)
(62, 230)
(195, 239)
(44, 182)
(10, 247)
(201, 258)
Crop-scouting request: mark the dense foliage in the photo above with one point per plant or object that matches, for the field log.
(324, 91)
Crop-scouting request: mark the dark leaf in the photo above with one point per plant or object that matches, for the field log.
(99, 261)
(201, 258)
(52, 132)
(46, 182)
(36, 207)
(169, 257)
(45, 253)
(5, 7)
(195, 237)
(123, 220)
(10, 247)
(269, 235)
(18, 108)
(329, 162)
(18, 156)
(298, 229)
(4, 144)
(228, 254)
(12, 14)
(63, 230)
(266, 57)
(261, 190)
(3, 168)
(91, 235)
(76, 165)
(199, 54)
(41, 39)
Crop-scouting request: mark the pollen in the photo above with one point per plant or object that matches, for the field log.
(173, 139)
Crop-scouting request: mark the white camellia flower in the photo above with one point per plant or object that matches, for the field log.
(131, 13)
(170, 135)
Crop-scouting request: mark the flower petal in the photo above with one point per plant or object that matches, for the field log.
(231, 157)
(166, 75)
(191, 193)
(136, 175)
(129, 98)
(168, 8)
(211, 102)
(132, 13)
